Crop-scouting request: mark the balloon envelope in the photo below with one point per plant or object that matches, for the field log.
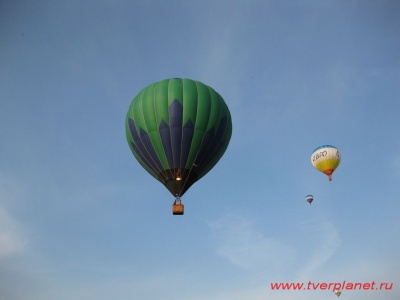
(178, 129)
(310, 198)
(326, 159)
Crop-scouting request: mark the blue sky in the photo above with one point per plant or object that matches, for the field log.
(79, 217)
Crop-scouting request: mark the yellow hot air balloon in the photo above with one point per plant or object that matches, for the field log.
(326, 159)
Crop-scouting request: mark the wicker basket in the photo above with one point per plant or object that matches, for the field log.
(177, 209)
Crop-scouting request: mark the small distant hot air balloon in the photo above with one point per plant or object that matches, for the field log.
(310, 198)
(326, 159)
(178, 129)
(337, 292)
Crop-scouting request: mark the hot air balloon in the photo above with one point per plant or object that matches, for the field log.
(310, 198)
(178, 129)
(326, 159)
(337, 292)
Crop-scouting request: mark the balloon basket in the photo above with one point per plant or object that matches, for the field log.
(177, 209)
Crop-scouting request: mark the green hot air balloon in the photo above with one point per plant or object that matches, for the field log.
(178, 129)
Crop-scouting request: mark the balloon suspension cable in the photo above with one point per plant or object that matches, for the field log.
(184, 184)
(177, 200)
(330, 177)
(190, 171)
(187, 177)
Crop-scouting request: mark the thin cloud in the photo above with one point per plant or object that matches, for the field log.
(396, 165)
(12, 240)
(237, 294)
(243, 245)
(328, 243)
